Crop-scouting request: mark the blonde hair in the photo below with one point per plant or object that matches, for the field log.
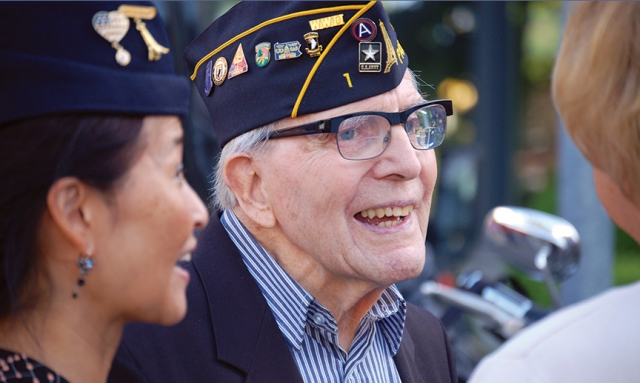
(596, 88)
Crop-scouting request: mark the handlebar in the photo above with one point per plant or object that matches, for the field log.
(507, 323)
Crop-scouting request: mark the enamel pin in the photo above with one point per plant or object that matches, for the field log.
(113, 26)
(220, 71)
(391, 53)
(326, 22)
(139, 13)
(263, 54)
(208, 81)
(370, 58)
(364, 30)
(288, 50)
(400, 52)
(314, 49)
(239, 64)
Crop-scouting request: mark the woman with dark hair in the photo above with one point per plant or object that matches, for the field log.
(94, 210)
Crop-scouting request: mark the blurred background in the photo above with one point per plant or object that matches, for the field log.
(505, 144)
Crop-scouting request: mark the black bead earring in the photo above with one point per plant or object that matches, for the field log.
(84, 264)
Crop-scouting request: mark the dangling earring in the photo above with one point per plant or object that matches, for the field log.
(84, 264)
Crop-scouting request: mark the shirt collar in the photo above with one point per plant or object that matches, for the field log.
(290, 302)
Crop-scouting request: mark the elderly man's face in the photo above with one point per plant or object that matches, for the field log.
(318, 199)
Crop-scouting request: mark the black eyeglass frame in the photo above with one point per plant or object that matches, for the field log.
(332, 125)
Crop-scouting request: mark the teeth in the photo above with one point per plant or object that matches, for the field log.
(395, 211)
(185, 258)
(389, 223)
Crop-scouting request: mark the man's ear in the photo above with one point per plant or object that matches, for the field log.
(243, 177)
(69, 208)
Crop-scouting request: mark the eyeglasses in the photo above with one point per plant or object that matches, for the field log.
(366, 135)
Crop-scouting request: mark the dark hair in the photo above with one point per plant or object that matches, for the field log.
(34, 153)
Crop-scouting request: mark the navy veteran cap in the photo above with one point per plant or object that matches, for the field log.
(263, 61)
(58, 57)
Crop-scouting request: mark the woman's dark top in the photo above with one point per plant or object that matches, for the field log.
(15, 367)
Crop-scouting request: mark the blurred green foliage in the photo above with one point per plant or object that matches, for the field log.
(627, 264)
(541, 37)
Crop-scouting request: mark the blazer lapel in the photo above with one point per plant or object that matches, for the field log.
(246, 333)
(405, 361)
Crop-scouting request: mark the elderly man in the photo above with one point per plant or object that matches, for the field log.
(323, 191)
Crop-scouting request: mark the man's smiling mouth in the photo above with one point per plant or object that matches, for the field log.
(384, 217)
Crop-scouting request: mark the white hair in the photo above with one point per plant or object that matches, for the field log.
(252, 141)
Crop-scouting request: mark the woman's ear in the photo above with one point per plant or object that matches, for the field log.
(243, 177)
(68, 203)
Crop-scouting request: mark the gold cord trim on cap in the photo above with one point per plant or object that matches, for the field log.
(294, 112)
(273, 21)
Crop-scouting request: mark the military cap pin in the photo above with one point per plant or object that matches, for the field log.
(113, 26)
(139, 13)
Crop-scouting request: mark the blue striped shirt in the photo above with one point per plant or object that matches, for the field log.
(311, 331)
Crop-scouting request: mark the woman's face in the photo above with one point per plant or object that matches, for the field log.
(149, 224)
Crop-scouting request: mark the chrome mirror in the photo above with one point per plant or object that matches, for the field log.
(544, 246)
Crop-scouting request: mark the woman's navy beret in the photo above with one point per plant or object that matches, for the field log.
(60, 57)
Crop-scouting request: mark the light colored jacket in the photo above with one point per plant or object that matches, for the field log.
(594, 341)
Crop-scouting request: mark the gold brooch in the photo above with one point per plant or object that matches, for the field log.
(114, 25)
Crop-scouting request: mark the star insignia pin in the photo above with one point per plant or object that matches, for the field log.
(370, 57)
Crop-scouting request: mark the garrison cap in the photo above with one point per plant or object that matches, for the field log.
(263, 61)
(60, 57)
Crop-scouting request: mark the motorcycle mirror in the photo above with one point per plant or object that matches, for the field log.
(538, 243)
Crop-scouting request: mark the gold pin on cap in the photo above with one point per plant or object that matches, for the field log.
(314, 48)
(391, 53)
(327, 22)
(400, 52)
(220, 71)
(139, 13)
(113, 26)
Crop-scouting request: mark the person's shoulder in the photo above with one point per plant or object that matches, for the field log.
(579, 319)
(424, 327)
(605, 321)
(497, 369)
(16, 367)
(416, 314)
(425, 338)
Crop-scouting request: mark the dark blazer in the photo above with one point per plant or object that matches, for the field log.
(230, 334)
